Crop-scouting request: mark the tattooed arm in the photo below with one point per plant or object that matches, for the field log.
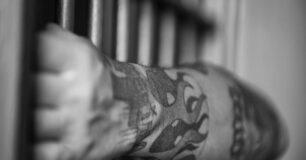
(96, 108)
(197, 112)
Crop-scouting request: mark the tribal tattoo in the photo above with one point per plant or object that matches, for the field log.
(132, 87)
(256, 125)
(237, 147)
(174, 107)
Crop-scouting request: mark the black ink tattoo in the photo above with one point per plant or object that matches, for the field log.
(163, 87)
(182, 115)
(237, 147)
(188, 157)
(178, 132)
(188, 147)
(139, 146)
(132, 87)
(266, 143)
(256, 119)
(182, 118)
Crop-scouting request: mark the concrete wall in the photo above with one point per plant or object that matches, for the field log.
(272, 55)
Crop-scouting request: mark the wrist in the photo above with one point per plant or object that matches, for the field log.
(130, 84)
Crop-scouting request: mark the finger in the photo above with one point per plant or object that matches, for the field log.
(61, 32)
(119, 110)
(50, 123)
(52, 151)
(50, 88)
(55, 53)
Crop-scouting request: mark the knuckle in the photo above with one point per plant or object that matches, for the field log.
(86, 52)
(80, 95)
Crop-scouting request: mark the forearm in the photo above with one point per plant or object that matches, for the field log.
(193, 112)
(159, 98)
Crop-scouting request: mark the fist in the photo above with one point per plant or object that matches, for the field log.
(76, 115)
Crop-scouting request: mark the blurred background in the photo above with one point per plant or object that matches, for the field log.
(262, 41)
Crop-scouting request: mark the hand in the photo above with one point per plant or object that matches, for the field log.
(76, 115)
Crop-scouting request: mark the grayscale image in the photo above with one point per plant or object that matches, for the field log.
(152, 79)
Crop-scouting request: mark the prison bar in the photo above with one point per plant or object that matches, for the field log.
(146, 33)
(187, 52)
(232, 21)
(10, 71)
(66, 14)
(122, 30)
(167, 38)
(133, 30)
(109, 28)
(96, 22)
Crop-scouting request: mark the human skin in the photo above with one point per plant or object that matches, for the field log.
(91, 107)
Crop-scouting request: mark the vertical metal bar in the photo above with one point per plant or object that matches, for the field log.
(187, 42)
(232, 31)
(203, 46)
(122, 30)
(213, 48)
(133, 30)
(146, 33)
(10, 55)
(66, 14)
(109, 28)
(96, 22)
(167, 38)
